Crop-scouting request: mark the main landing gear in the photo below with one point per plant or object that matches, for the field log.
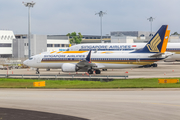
(90, 71)
(37, 71)
(97, 71)
(154, 65)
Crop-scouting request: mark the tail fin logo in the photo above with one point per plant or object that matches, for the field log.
(154, 43)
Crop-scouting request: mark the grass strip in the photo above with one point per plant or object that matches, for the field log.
(77, 84)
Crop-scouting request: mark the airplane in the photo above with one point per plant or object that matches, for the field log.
(87, 61)
(126, 47)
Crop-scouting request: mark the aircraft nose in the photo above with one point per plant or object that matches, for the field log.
(25, 62)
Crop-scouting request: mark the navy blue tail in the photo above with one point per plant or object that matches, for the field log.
(156, 42)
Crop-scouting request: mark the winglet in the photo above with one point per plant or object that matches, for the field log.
(158, 42)
(88, 58)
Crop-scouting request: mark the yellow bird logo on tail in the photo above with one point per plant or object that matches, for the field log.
(154, 43)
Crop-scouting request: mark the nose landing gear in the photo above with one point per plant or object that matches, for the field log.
(37, 71)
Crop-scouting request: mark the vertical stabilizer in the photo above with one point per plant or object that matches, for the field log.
(158, 42)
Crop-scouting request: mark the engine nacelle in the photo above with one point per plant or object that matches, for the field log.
(69, 67)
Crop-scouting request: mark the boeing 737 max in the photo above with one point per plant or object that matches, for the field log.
(84, 61)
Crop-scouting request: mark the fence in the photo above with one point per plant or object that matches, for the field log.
(61, 76)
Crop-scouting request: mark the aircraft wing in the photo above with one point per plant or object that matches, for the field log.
(86, 62)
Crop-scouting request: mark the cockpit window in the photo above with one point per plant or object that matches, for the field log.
(30, 58)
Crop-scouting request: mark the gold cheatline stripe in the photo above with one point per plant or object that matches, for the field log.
(74, 51)
(53, 52)
(106, 52)
(138, 63)
(59, 52)
(177, 52)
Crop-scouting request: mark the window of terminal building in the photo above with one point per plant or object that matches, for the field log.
(63, 45)
(49, 45)
(67, 45)
(18, 37)
(86, 37)
(56, 45)
(5, 45)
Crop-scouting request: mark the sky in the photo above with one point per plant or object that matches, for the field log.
(59, 17)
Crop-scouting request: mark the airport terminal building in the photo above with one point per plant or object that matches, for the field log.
(16, 46)
(39, 44)
(6, 38)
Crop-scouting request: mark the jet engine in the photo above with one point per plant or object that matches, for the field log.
(69, 67)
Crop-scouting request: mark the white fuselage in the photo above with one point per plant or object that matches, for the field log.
(103, 61)
(126, 47)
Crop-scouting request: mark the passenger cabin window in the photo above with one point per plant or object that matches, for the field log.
(30, 58)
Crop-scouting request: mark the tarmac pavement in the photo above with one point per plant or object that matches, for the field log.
(118, 104)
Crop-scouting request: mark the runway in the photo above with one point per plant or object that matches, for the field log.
(118, 104)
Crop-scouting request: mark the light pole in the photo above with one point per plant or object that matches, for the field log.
(151, 20)
(29, 5)
(101, 13)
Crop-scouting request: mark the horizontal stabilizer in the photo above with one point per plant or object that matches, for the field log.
(157, 55)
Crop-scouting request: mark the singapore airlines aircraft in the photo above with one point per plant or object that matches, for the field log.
(84, 61)
(126, 47)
